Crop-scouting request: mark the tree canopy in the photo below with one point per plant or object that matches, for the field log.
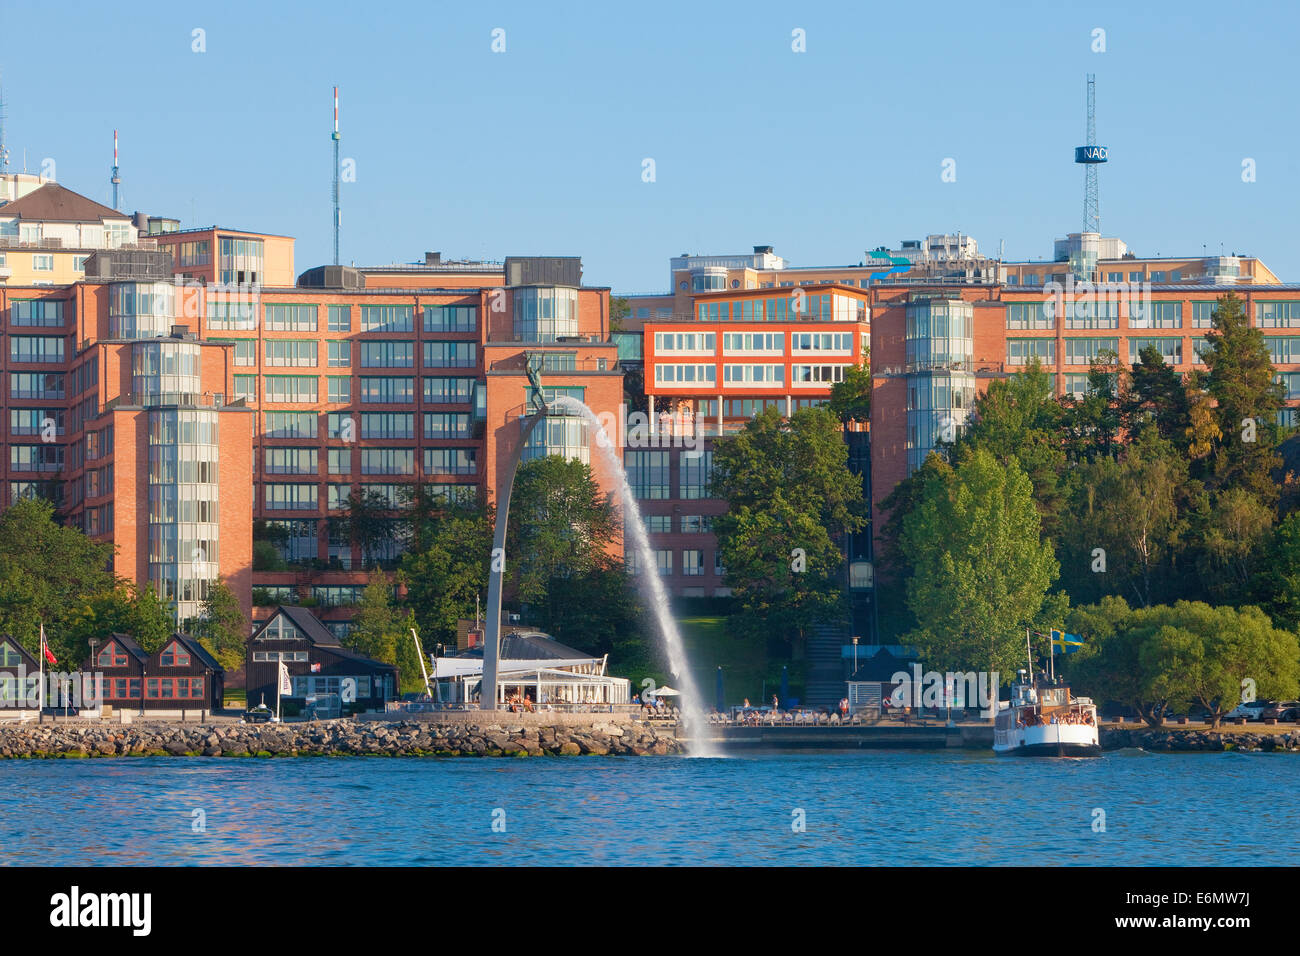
(791, 497)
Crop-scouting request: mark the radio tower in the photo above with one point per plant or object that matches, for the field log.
(1091, 156)
(338, 214)
(116, 180)
(4, 150)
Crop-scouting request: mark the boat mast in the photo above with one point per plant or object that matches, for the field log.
(423, 670)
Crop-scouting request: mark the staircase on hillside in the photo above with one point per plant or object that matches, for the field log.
(825, 682)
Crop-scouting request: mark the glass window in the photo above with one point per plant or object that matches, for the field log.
(450, 354)
(386, 354)
(441, 390)
(340, 318)
(387, 390)
(388, 318)
(694, 471)
(340, 389)
(291, 388)
(649, 474)
(283, 317)
(451, 318)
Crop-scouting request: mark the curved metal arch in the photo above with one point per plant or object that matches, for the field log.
(496, 570)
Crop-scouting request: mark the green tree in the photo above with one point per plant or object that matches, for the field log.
(1277, 582)
(1233, 531)
(1239, 379)
(366, 522)
(893, 568)
(851, 399)
(981, 571)
(122, 609)
(1019, 418)
(1157, 397)
(1131, 509)
(1091, 424)
(48, 572)
(619, 311)
(1187, 654)
(221, 627)
(560, 526)
(382, 631)
(448, 577)
(791, 497)
(268, 539)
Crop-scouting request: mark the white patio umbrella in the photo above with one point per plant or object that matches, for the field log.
(663, 692)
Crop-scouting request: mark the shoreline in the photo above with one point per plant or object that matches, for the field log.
(338, 738)
(513, 735)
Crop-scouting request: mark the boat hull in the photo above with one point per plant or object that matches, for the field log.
(1056, 748)
(1050, 740)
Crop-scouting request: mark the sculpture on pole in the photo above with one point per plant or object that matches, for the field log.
(496, 571)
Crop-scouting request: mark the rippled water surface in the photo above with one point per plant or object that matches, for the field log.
(871, 807)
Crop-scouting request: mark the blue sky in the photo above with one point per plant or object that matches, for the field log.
(539, 150)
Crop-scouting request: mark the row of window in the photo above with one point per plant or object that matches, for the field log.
(1103, 313)
(365, 425)
(692, 562)
(689, 524)
(799, 305)
(1079, 351)
(278, 496)
(669, 343)
(36, 348)
(372, 390)
(240, 313)
(649, 474)
(156, 688)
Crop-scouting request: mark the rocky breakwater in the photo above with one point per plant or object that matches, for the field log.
(499, 738)
(1188, 741)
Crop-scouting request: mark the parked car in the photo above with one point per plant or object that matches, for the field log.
(1285, 710)
(1251, 710)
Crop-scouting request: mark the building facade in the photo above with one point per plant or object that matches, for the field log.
(707, 372)
(173, 399)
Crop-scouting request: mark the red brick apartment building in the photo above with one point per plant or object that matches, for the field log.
(176, 394)
(940, 329)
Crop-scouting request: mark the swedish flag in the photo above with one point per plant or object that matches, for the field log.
(1065, 643)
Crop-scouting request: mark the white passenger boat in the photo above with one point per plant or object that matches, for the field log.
(1043, 719)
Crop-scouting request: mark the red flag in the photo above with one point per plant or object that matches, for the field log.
(45, 648)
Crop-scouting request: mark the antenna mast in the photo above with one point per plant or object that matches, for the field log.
(116, 179)
(338, 214)
(1090, 157)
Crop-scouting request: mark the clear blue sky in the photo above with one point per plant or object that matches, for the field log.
(538, 150)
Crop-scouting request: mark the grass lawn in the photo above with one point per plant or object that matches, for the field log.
(235, 698)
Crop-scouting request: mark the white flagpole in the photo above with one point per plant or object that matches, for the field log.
(40, 687)
(279, 669)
